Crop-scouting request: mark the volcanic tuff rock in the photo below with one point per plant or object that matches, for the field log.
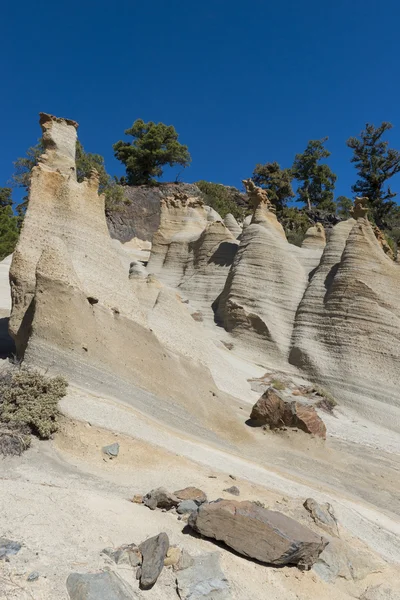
(257, 532)
(315, 237)
(264, 287)
(98, 586)
(233, 226)
(76, 311)
(203, 580)
(348, 324)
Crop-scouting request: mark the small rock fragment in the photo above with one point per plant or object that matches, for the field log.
(185, 561)
(186, 506)
(112, 450)
(128, 554)
(323, 515)
(160, 498)
(191, 493)
(154, 551)
(233, 490)
(137, 499)
(173, 556)
(8, 547)
(33, 576)
(339, 559)
(232, 476)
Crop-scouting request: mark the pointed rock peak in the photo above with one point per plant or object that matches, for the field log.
(257, 196)
(315, 237)
(360, 208)
(59, 140)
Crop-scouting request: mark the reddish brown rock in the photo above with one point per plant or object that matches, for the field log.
(191, 493)
(272, 410)
(259, 533)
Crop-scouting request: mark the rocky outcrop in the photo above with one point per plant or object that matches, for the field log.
(348, 323)
(264, 287)
(315, 237)
(259, 533)
(76, 310)
(139, 215)
(272, 410)
(233, 226)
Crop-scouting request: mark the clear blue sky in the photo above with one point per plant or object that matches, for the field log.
(242, 82)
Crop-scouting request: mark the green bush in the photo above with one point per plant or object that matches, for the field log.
(29, 401)
(295, 223)
(221, 199)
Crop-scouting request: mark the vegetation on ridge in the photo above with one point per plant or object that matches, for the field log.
(154, 145)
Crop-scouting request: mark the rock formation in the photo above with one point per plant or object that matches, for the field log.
(315, 237)
(348, 323)
(77, 311)
(264, 286)
(233, 226)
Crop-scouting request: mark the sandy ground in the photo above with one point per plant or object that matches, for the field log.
(65, 502)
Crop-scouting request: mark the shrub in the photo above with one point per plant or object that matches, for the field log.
(222, 199)
(327, 401)
(295, 222)
(278, 385)
(29, 401)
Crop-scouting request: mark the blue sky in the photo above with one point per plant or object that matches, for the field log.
(242, 82)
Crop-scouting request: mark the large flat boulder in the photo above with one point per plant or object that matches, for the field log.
(259, 533)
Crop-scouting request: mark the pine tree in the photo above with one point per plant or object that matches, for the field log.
(8, 224)
(316, 181)
(277, 181)
(375, 164)
(154, 145)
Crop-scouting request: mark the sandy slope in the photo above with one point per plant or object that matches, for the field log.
(67, 503)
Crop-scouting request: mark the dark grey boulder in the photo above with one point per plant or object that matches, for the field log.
(105, 585)
(154, 551)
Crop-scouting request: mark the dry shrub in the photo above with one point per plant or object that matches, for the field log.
(29, 402)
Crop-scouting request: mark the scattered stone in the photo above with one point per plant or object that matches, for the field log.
(272, 410)
(341, 560)
(185, 561)
(191, 493)
(259, 533)
(137, 499)
(160, 498)
(8, 547)
(203, 580)
(233, 490)
(186, 506)
(112, 450)
(33, 576)
(128, 554)
(232, 476)
(154, 550)
(323, 516)
(105, 585)
(212, 477)
(173, 556)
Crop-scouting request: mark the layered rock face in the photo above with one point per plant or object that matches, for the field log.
(75, 307)
(264, 286)
(347, 329)
(192, 250)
